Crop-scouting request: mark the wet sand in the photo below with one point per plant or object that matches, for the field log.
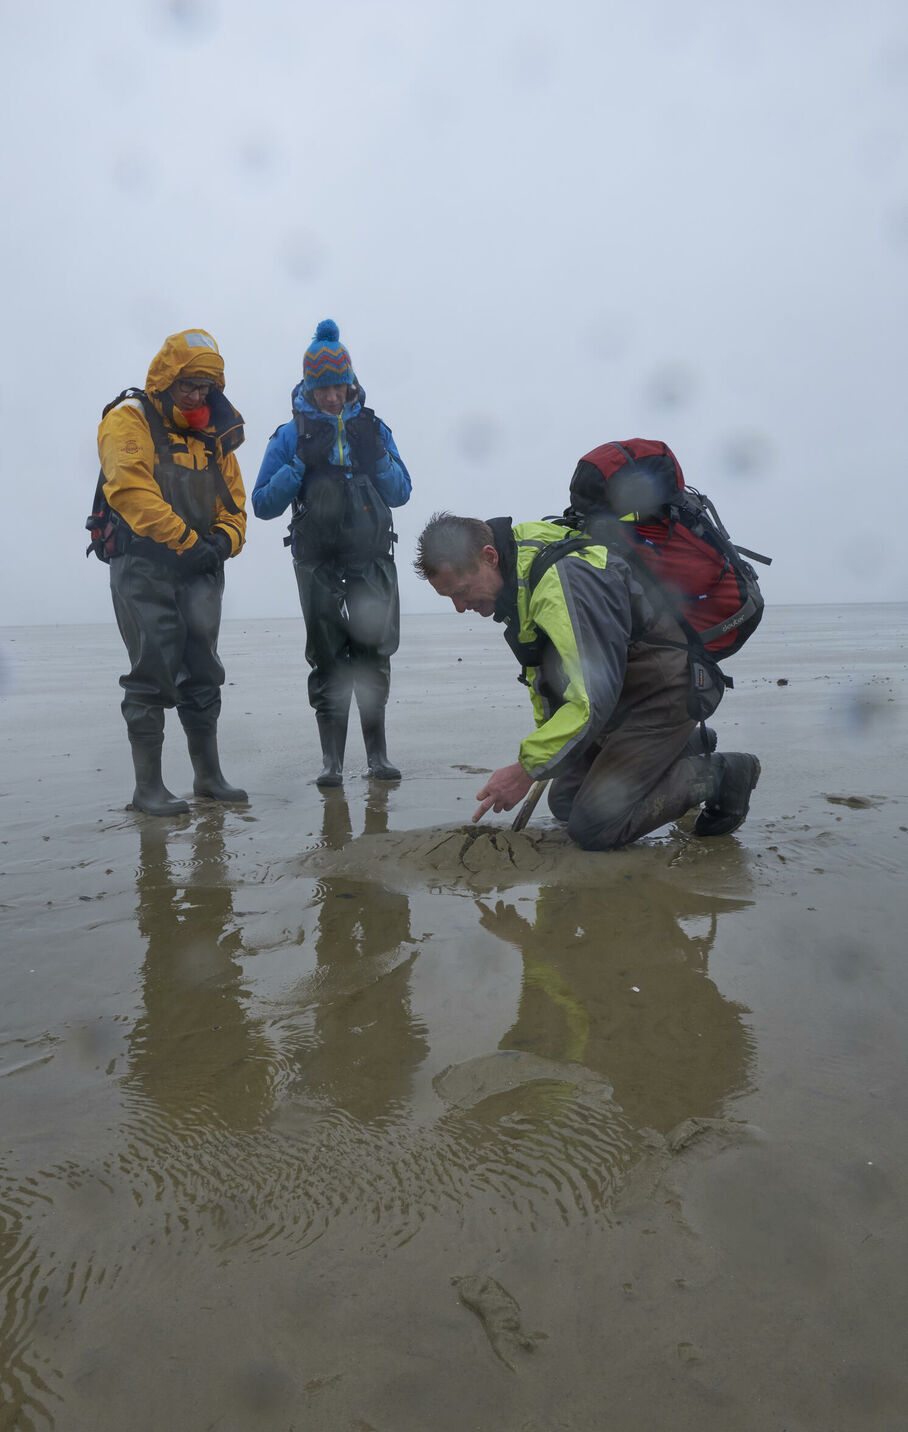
(336, 1113)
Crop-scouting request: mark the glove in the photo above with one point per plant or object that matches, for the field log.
(316, 444)
(205, 556)
(363, 435)
(222, 542)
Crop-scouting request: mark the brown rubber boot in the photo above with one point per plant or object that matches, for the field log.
(728, 808)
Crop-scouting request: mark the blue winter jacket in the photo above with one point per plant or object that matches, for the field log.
(282, 473)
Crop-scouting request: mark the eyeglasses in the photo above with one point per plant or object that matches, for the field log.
(185, 386)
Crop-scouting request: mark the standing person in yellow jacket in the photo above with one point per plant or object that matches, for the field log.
(170, 478)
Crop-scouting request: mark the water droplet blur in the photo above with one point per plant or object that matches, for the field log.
(189, 19)
(257, 155)
(672, 385)
(866, 708)
(477, 436)
(747, 454)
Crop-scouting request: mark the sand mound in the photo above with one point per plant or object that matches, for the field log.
(467, 854)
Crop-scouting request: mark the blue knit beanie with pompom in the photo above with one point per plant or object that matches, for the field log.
(326, 362)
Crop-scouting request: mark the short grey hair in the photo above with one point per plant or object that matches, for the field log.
(449, 541)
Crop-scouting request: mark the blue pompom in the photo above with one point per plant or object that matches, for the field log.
(327, 332)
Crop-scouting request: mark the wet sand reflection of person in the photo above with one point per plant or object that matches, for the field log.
(620, 985)
(365, 1043)
(195, 1053)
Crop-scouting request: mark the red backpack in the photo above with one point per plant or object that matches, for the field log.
(674, 534)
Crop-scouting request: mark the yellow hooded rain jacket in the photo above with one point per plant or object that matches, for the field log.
(130, 457)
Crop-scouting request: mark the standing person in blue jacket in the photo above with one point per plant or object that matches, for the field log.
(336, 464)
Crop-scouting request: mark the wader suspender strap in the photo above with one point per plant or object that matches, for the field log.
(357, 476)
(159, 437)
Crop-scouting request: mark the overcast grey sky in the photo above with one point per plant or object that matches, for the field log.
(538, 226)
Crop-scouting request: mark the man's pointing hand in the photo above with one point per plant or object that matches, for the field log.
(503, 790)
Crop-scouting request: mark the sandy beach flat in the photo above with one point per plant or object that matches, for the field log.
(337, 1112)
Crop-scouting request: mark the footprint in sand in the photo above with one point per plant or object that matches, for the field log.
(499, 1314)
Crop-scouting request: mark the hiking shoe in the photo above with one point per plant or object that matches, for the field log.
(729, 806)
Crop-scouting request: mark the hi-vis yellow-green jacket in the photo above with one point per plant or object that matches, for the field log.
(130, 459)
(582, 626)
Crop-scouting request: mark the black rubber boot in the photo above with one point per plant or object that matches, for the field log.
(333, 736)
(209, 778)
(380, 768)
(694, 745)
(728, 808)
(151, 796)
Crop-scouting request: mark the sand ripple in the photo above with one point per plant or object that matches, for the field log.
(550, 1146)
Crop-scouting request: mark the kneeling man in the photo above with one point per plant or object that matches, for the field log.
(608, 678)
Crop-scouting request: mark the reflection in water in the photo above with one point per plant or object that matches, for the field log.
(363, 1043)
(198, 1080)
(240, 1148)
(622, 988)
(194, 1057)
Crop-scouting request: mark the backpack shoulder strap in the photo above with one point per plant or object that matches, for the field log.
(150, 413)
(99, 497)
(552, 553)
(154, 421)
(114, 402)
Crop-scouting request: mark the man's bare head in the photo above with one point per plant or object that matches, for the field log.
(458, 557)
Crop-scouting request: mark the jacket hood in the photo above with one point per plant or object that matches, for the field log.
(506, 547)
(192, 351)
(302, 403)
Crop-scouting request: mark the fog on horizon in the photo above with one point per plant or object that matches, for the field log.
(537, 229)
